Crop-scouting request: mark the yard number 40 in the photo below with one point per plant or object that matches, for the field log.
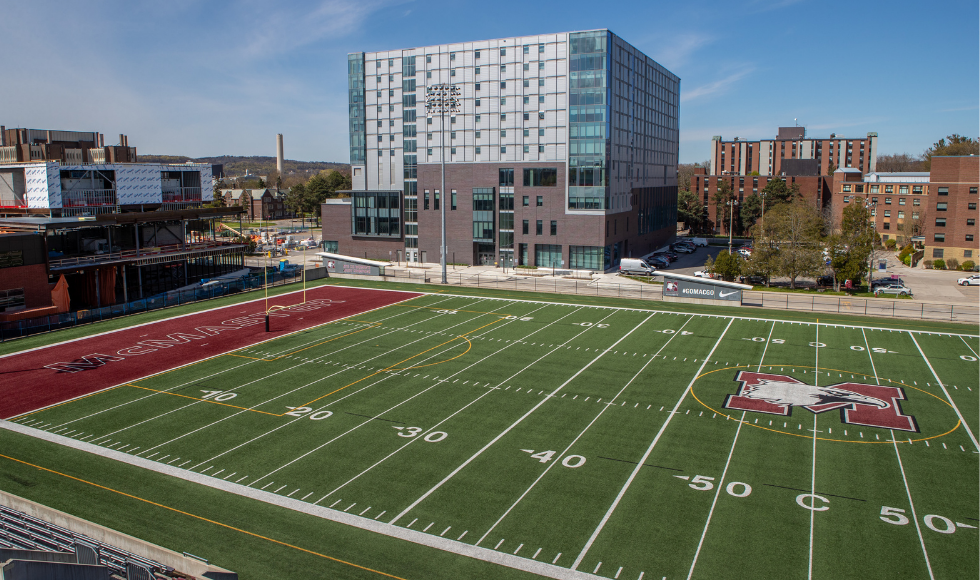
(570, 461)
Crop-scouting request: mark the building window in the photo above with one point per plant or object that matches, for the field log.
(540, 148)
(527, 100)
(541, 115)
(478, 150)
(901, 201)
(969, 237)
(452, 56)
(429, 136)
(503, 68)
(888, 201)
(452, 150)
(477, 119)
(917, 189)
(901, 215)
(971, 222)
(902, 189)
(503, 132)
(503, 100)
(478, 104)
(527, 49)
(942, 191)
(937, 252)
(541, 99)
(452, 198)
(376, 214)
(526, 200)
(888, 213)
(428, 58)
(540, 82)
(940, 222)
(477, 134)
(540, 132)
(874, 189)
(503, 84)
(429, 121)
(503, 149)
(971, 206)
(452, 134)
(540, 48)
(887, 226)
(847, 188)
(554, 227)
(541, 65)
(477, 71)
(527, 148)
(527, 66)
(941, 206)
(538, 227)
(889, 188)
(435, 200)
(541, 177)
(503, 52)
(585, 257)
(939, 237)
(505, 177)
(477, 86)
(540, 201)
(966, 253)
(428, 151)
(524, 227)
(915, 202)
(847, 199)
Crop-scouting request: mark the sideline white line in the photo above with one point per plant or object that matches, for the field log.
(948, 398)
(516, 423)
(416, 537)
(726, 316)
(915, 518)
(649, 450)
(724, 472)
(605, 407)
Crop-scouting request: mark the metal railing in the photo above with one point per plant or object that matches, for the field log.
(887, 307)
(75, 261)
(88, 197)
(181, 194)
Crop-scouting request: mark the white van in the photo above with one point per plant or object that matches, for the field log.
(636, 266)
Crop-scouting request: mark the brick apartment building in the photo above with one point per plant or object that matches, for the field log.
(942, 202)
(814, 188)
(563, 152)
(792, 153)
(260, 204)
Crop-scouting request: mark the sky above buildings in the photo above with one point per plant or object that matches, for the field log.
(203, 78)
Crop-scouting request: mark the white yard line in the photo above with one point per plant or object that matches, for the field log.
(557, 459)
(217, 373)
(636, 470)
(813, 469)
(721, 482)
(968, 346)
(487, 392)
(429, 540)
(867, 349)
(515, 423)
(312, 361)
(915, 518)
(945, 392)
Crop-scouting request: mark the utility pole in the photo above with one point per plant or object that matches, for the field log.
(442, 98)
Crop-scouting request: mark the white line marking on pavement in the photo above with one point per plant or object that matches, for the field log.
(649, 450)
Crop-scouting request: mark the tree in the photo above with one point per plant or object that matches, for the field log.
(321, 186)
(914, 224)
(722, 197)
(850, 243)
(295, 198)
(957, 145)
(899, 162)
(261, 183)
(729, 266)
(690, 210)
(750, 211)
(831, 168)
(776, 192)
(796, 230)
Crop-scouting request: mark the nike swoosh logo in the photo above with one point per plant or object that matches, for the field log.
(726, 295)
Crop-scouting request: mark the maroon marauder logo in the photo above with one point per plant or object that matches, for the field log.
(859, 404)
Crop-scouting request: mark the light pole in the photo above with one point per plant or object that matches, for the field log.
(731, 218)
(442, 98)
(872, 210)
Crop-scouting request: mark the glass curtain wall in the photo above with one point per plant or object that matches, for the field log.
(588, 120)
(355, 91)
(409, 156)
(547, 255)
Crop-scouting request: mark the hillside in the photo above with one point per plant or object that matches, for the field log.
(256, 165)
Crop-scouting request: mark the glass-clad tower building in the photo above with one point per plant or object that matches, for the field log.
(563, 153)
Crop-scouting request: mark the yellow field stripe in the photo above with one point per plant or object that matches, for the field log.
(202, 518)
(372, 325)
(202, 400)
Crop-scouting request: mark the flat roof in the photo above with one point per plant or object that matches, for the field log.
(108, 219)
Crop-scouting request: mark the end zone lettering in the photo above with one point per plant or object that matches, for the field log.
(95, 360)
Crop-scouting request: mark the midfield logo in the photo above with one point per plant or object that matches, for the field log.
(859, 404)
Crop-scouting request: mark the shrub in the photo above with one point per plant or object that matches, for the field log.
(953, 264)
(890, 244)
(939, 264)
(907, 260)
(908, 250)
(968, 266)
(927, 264)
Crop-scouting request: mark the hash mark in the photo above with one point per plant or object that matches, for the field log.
(556, 558)
(498, 544)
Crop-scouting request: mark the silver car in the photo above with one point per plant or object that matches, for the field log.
(973, 280)
(893, 289)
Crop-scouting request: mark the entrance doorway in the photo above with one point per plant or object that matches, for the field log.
(486, 254)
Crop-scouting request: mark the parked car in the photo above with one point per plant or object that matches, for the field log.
(746, 252)
(703, 274)
(671, 256)
(886, 282)
(753, 279)
(825, 282)
(895, 290)
(637, 267)
(684, 248)
(973, 280)
(658, 262)
(696, 241)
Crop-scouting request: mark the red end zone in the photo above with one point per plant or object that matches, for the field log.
(52, 374)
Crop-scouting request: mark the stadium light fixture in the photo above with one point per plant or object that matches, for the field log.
(439, 100)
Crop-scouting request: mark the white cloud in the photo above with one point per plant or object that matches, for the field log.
(674, 51)
(717, 87)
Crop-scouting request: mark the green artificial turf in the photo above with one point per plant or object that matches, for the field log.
(577, 434)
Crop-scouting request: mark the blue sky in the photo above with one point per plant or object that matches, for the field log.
(204, 78)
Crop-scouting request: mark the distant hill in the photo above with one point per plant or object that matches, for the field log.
(236, 164)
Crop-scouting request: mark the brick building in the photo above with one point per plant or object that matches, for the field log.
(814, 188)
(563, 151)
(69, 147)
(792, 153)
(941, 204)
(260, 204)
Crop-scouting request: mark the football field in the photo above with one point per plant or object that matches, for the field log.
(573, 440)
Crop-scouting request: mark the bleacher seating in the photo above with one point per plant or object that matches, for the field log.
(22, 531)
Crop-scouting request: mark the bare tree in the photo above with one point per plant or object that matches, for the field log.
(900, 162)
(797, 227)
